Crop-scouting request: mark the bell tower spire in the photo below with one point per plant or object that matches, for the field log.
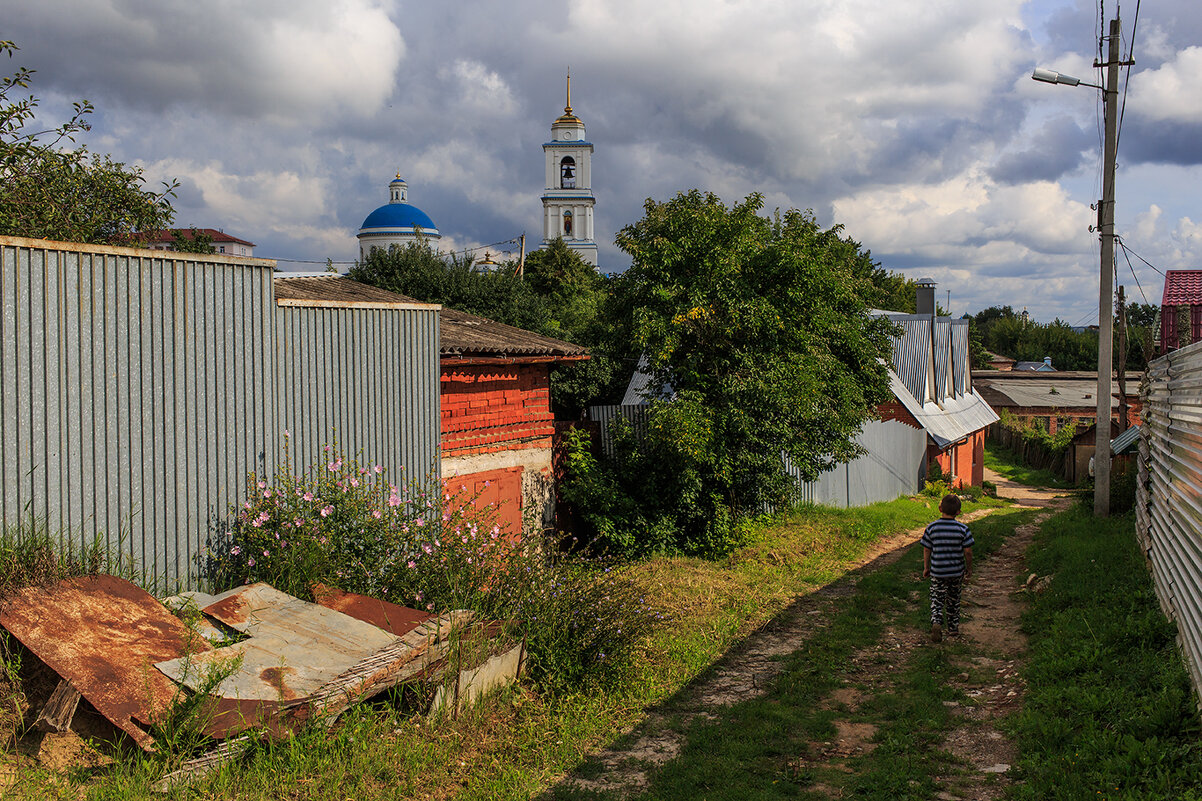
(568, 198)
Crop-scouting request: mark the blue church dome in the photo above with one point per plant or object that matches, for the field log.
(399, 215)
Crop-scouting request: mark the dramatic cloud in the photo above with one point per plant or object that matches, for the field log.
(913, 123)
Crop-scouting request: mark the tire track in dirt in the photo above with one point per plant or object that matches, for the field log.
(744, 672)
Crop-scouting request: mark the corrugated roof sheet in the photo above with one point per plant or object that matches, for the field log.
(1182, 288)
(1129, 439)
(461, 334)
(912, 353)
(950, 422)
(961, 371)
(943, 358)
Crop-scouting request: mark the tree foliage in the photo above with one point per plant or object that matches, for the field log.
(758, 330)
(560, 295)
(194, 241)
(51, 189)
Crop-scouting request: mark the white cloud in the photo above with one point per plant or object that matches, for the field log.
(1171, 91)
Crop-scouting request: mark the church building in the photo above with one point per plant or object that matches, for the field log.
(397, 222)
(568, 198)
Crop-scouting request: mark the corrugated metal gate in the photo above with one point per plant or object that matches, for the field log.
(138, 388)
(1169, 493)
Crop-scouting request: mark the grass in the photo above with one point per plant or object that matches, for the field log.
(751, 750)
(1109, 711)
(1002, 461)
(513, 746)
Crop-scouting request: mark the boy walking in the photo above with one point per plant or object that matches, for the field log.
(947, 560)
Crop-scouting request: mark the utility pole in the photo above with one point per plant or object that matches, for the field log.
(522, 257)
(1121, 308)
(1110, 95)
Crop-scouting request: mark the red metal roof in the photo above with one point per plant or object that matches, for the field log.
(1182, 288)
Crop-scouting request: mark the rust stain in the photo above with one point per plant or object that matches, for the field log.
(104, 635)
(232, 611)
(277, 678)
(393, 618)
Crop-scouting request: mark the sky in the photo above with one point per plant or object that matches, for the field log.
(914, 124)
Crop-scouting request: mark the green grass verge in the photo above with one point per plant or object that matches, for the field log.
(1109, 712)
(1003, 462)
(756, 749)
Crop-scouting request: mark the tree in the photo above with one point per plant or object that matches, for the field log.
(195, 241)
(758, 330)
(53, 191)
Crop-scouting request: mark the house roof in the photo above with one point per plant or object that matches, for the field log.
(469, 335)
(168, 235)
(462, 335)
(1127, 441)
(947, 422)
(1043, 390)
(1182, 288)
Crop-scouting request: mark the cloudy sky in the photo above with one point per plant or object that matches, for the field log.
(913, 123)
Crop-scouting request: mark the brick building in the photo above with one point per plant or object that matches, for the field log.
(497, 423)
(1180, 309)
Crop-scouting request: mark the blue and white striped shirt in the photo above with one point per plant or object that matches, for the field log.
(947, 540)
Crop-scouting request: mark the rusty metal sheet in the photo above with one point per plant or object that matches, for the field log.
(103, 634)
(393, 618)
(293, 647)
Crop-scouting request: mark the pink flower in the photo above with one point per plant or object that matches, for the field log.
(412, 564)
(426, 547)
(379, 469)
(287, 433)
(394, 500)
(250, 562)
(377, 514)
(237, 549)
(257, 523)
(334, 466)
(327, 511)
(354, 482)
(262, 485)
(308, 496)
(266, 493)
(419, 522)
(266, 552)
(297, 522)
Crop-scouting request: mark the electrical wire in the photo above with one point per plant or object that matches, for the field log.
(1131, 267)
(1123, 245)
(1127, 82)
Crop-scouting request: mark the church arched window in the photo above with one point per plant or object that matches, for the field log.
(567, 223)
(567, 173)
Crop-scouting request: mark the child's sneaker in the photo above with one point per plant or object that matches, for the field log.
(936, 632)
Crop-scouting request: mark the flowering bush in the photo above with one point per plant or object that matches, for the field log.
(432, 547)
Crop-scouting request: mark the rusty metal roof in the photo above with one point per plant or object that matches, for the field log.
(395, 619)
(104, 634)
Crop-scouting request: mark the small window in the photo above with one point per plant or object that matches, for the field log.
(221, 249)
(567, 173)
(567, 223)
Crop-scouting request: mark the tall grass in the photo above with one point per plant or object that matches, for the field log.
(1109, 711)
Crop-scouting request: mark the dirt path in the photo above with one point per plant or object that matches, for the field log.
(747, 671)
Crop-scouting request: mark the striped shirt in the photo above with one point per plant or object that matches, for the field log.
(947, 540)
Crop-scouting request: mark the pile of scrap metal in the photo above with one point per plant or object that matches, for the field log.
(273, 661)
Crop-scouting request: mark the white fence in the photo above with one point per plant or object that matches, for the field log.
(1169, 493)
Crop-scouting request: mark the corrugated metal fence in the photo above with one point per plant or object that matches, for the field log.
(1169, 493)
(893, 464)
(139, 388)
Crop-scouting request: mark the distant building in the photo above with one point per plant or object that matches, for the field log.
(1180, 309)
(568, 198)
(1053, 399)
(999, 362)
(397, 222)
(222, 242)
(1044, 366)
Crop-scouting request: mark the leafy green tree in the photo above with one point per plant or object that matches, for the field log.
(420, 272)
(759, 331)
(53, 190)
(1141, 329)
(195, 241)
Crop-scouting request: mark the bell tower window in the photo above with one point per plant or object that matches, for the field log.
(567, 173)
(567, 223)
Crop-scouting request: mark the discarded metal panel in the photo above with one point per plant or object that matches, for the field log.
(104, 635)
(393, 618)
(293, 647)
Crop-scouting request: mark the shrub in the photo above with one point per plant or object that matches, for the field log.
(343, 523)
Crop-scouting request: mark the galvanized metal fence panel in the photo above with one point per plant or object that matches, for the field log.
(136, 392)
(634, 414)
(1169, 493)
(892, 465)
(365, 378)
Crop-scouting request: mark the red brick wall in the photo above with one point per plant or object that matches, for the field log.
(490, 408)
(969, 460)
(894, 410)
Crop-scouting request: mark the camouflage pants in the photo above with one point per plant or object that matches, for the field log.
(945, 601)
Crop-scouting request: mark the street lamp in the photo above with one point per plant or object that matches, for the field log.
(1101, 498)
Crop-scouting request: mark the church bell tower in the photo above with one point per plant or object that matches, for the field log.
(568, 198)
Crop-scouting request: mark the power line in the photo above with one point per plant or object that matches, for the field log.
(1130, 59)
(1141, 258)
(1131, 267)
